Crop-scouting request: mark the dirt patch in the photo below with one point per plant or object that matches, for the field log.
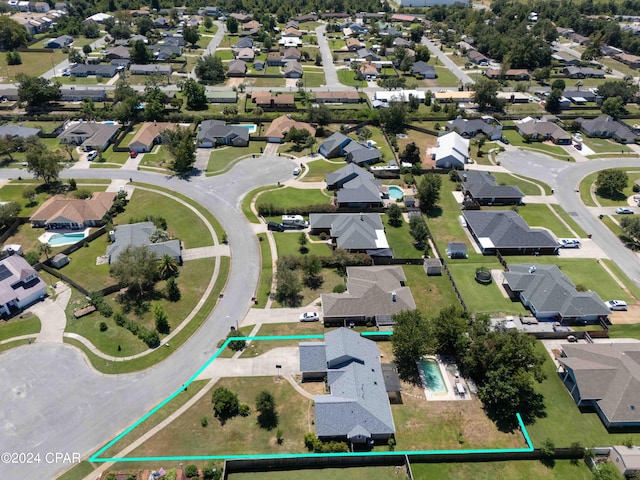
(631, 316)
(234, 82)
(314, 388)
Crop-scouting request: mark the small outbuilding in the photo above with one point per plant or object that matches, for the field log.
(59, 261)
(432, 266)
(457, 250)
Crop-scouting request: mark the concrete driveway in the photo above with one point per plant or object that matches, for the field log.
(263, 366)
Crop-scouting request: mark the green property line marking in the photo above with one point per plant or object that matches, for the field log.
(95, 458)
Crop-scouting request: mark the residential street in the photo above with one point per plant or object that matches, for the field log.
(447, 62)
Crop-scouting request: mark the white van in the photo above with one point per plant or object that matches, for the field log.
(92, 155)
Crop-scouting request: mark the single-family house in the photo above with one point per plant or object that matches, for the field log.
(138, 235)
(244, 42)
(77, 94)
(62, 212)
(424, 70)
(236, 68)
(355, 232)
(357, 408)
(368, 55)
(509, 74)
(89, 135)
(356, 187)
(565, 59)
(279, 128)
(212, 133)
(579, 39)
(374, 294)
(222, 96)
(353, 44)
(606, 377)
(59, 42)
(267, 100)
(84, 70)
(369, 71)
(242, 17)
(478, 58)
(17, 131)
(344, 96)
(539, 130)
(292, 32)
(148, 135)
(550, 295)
(246, 54)
(404, 18)
(153, 69)
(583, 72)
(626, 459)
(580, 97)
(334, 145)
(454, 96)
(293, 69)
(632, 61)
(469, 128)
(451, 151)
(398, 41)
(173, 41)
(251, 25)
(507, 232)
(162, 53)
(290, 54)
(362, 153)
(117, 53)
(308, 17)
(481, 188)
(20, 285)
(605, 126)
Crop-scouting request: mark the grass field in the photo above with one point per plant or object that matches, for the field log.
(266, 272)
(17, 326)
(289, 197)
(540, 215)
(516, 140)
(222, 159)
(589, 181)
(362, 473)
(33, 63)
(515, 470)
(287, 244)
(346, 76)
(269, 329)
(569, 220)
(446, 78)
(527, 186)
(603, 145)
(319, 168)
(429, 292)
(400, 240)
(246, 202)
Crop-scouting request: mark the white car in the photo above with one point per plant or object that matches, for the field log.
(624, 211)
(568, 243)
(617, 305)
(309, 317)
(92, 155)
(297, 171)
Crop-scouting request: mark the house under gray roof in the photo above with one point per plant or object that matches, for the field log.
(549, 293)
(507, 231)
(482, 186)
(361, 153)
(352, 231)
(606, 126)
(332, 146)
(139, 234)
(469, 128)
(358, 406)
(18, 131)
(607, 377)
(355, 185)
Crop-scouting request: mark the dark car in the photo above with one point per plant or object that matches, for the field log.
(275, 227)
(133, 154)
(504, 140)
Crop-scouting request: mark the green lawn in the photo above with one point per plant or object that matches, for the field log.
(13, 193)
(514, 470)
(625, 331)
(527, 186)
(446, 78)
(222, 159)
(246, 202)
(281, 329)
(347, 77)
(83, 268)
(313, 79)
(569, 220)
(159, 159)
(266, 272)
(516, 140)
(17, 326)
(429, 292)
(182, 222)
(603, 145)
(540, 215)
(78, 472)
(587, 182)
(287, 244)
(319, 168)
(400, 240)
(33, 63)
(633, 288)
(115, 157)
(289, 197)
(564, 423)
(360, 473)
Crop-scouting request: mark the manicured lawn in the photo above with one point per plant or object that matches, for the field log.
(380, 142)
(482, 298)
(587, 182)
(400, 240)
(313, 79)
(514, 470)
(635, 291)
(182, 222)
(319, 168)
(516, 140)
(79, 472)
(528, 187)
(17, 326)
(564, 423)
(222, 159)
(445, 77)
(266, 82)
(33, 63)
(241, 435)
(625, 331)
(603, 145)
(540, 215)
(287, 244)
(347, 76)
(246, 202)
(110, 156)
(266, 272)
(429, 293)
(361, 473)
(289, 197)
(83, 268)
(581, 271)
(446, 227)
(159, 159)
(569, 220)
(270, 329)
(13, 193)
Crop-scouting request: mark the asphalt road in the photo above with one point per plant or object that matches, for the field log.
(564, 178)
(330, 74)
(53, 401)
(447, 62)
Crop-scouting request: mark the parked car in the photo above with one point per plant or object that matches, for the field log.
(92, 155)
(133, 154)
(309, 317)
(624, 211)
(275, 227)
(297, 171)
(504, 140)
(569, 243)
(620, 305)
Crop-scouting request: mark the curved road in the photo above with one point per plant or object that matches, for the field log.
(564, 178)
(53, 401)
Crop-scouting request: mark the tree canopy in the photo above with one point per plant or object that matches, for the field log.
(179, 142)
(196, 95)
(429, 191)
(210, 69)
(225, 404)
(44, 163)
(37, 91)
(136, 268)
(611, 182)
(12, 34)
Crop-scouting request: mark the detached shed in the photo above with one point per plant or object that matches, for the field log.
(59, 261)
(457, 250)
(432, 266)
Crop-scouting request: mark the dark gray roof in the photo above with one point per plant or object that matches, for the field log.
(347, 173)
(360, 153)
(605, 125)
(244, 42)
(100, 70)
(293, 66)
(550, 292)
(483, 185)
(352, 231)
(313, 357)
(18, 131)
(138, 234)
(471, 127)
(333, 142)
(608, 373)
(505, 229)
(237, 66)
(212, 129)
(422, 67)
(543, 128)
(358, 404)
(357, 185)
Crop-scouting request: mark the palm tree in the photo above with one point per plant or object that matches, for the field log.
(168, 266)
(44, 248)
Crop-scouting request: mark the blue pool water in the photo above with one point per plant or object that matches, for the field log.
(433, 376)
(109, 123)
(395, 192)
(251, 126)
(59, 239)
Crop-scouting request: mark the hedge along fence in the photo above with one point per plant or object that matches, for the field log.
(271, 210)
(120, 137)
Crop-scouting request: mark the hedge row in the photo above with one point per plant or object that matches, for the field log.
(271, 210)
(150, 337)
(340, 258)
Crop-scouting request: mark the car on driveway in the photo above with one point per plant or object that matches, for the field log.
(133, 154)
(624, 211)
(569, 243)
(275, 227)
(620, 305)
(309, 317)
(504, 140)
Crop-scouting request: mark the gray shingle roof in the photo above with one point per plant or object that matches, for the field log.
(352, 231)
(329, 146)
(213, 129)
(313, 357)
(483, 185)
(137, 234)
(361, 153)
(550, 291)
(358, 405)
(608, 373)
(506, 229)
(18, 131)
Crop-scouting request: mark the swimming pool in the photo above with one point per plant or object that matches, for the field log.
(433, 376)
(60, 239)
(395, 192)
(251, 126)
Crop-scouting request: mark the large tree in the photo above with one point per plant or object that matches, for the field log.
(136, 268)
(179, 142)
(611, 182)
(429, 191)
(139, 52)
(486, 93)
(552, 103)
(37, 91)
(44, 163)
(410, 341)
(618, 88)
(631, 228)
(196, 95)
(12, 34)
(8, 213)
(191, 35)
(225, 404)
(411, 154)
(266, 406)
(392, 119)
(210, 69)
(613, 106)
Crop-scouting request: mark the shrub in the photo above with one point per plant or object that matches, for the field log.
(279, 438)
(271, 210)
(150, 337)
(340, 288)
(32, 258)
(204, 422)
(120, 319)
(172, 290)
(244, 410)
(323, 235)
(309, 441)
(103, 327)
(635, 188)
(13, 58)
(82, 194)
(86, 49)
(191, 471)
(236, 345)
